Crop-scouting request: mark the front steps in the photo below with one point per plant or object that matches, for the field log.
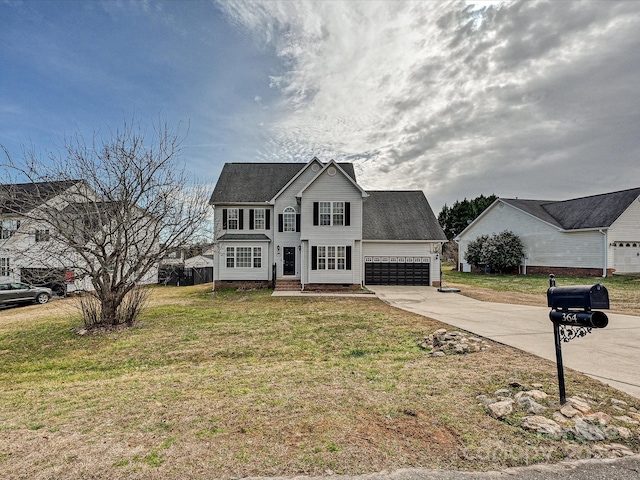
(288, 285)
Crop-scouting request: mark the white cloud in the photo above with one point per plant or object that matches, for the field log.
(518, 98)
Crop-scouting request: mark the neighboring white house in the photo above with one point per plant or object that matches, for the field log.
(596, 235)
(30, 248)
(315, 226)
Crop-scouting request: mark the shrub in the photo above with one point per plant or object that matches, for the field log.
(474, 251)
(500, 252)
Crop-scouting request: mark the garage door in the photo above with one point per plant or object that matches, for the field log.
(387, 273)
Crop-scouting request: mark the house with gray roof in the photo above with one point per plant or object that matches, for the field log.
(311, 225)
(596, 235)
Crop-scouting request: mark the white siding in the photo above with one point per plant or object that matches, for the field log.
(336, 188)
(244, 273)
(220, 272)
(544, 244)
(287, 198)
(625, 230)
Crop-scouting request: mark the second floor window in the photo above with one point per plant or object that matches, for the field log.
(258, 219)
(43, 235)
(232, 219)
(289, 219)
(332, 213)
(8, 228)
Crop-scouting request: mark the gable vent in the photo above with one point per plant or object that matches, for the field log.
(331, 171)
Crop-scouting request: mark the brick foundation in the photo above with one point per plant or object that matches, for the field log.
(242, 284)
(325, 287)
(568, 271)
(542, 270)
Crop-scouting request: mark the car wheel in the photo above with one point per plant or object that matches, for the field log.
(42, 298)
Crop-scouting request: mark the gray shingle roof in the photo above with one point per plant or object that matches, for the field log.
(596, 211)
(22, 197)
(256, 237)
(399, 215)
(258, 182)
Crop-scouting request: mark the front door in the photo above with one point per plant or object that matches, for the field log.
(289, 263)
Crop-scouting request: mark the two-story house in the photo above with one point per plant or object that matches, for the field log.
(50, 233)
(314, 225)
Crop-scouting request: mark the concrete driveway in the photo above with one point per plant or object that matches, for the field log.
(611, 355)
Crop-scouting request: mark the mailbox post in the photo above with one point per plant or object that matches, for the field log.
(573, 317)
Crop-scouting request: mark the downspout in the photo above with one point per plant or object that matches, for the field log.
(458, 262)
(606, 252)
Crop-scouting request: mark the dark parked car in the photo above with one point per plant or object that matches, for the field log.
(21, 292)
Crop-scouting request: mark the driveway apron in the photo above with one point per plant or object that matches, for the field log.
(611, 355)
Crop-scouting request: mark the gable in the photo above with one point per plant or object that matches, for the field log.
(399, 215)
(334, 175)
(257, 182)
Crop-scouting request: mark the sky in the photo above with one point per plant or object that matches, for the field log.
(528, 99)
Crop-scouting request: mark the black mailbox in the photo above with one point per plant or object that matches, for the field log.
(573, 316)
(584, 297)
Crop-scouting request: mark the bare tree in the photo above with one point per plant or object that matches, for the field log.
(107, 210)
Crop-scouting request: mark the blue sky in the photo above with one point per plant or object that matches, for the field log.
(534, 99)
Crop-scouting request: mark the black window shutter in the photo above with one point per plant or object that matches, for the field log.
(297, 222)
(224, 218)
(314, 258)
(315, 213)
(347, 214)
(251, 214)
(280, 223)
(241, 218)
(348, 258)
(267, 219)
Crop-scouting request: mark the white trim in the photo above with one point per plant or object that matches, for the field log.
(332, 163)
(313, 161)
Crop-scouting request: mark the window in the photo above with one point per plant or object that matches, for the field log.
(325, 213)
(289, 219)
(332, 213)
(232, 219)
(331, 257)
(43, 235)
(231, 256)
(4, 267)
(338, 213)
(8, 228)
(258, 219)
(244, 257)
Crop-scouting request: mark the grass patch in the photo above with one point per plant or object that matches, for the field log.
(624, 291)
(244, 384)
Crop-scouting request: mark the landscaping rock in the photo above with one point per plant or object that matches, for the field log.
(627, 419)
(501, 409)
(568, 411)
(580, 404)
(587, 431)
(441, 342)
(504, 392)
(530, 405)
(541, 424)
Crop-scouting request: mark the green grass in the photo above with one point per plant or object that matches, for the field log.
(537, 284)
(245, 384)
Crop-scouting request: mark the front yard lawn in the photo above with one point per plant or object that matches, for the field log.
(245, 384)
